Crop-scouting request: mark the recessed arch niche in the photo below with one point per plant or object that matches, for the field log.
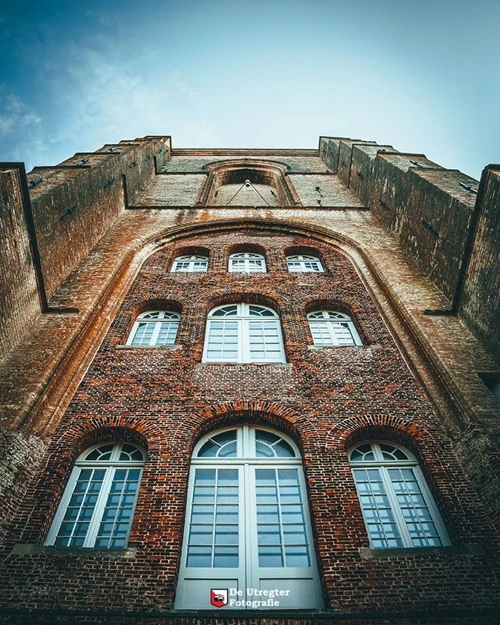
(248, 182)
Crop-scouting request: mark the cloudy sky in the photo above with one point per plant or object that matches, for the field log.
(422, 76)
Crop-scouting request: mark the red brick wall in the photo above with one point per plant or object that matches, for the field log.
(326, 399)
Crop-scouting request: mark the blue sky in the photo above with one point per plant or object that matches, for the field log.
(422, 76)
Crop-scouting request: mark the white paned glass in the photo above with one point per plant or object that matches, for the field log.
(247, 521)
(190, 264)
(330, 328)
(304, 264)
(152, 328)
(398, 509)
(98, 504)
(247, 262)
(213, 530)
(252, 334)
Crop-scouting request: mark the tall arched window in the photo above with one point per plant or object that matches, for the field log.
(248, 534)
(247, 262)
(154, 327)
(397, 506)
(243, 333)
(332, 328)
(303, 264)
(190, 264)
(97, 506)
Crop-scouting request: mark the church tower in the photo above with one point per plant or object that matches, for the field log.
(249, 386)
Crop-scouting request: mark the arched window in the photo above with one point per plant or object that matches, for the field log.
(190, 264)
(97, 507)
(247, 262)
(247, 525)
(243, 333)
(303, 264)
(332, 328)
(398, 508)
(154, 327)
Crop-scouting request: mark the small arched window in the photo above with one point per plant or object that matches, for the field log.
(332, 328)
(247, 525)
(304, 264)
(97, 506)
(190, 264)
(247, 262)
(153, 328)
(243, 333)
(397, 506)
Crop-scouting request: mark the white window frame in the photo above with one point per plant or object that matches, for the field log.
(162, 318)
(383, 466)
(110, 467)
(194, 264)
(194, 582)
(334, 324)
(304, 264)
(243, 319)
(252, 263)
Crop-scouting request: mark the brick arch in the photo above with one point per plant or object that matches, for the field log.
(130, 315)
(64, 451)
(394, 429)
(433, 452)
(246, 297)
(191, 250)
(342, 306)
(253, 248)
(267, 413)
(329, 304)
(156, 304)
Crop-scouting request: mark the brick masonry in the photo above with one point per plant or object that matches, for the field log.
(413, 381)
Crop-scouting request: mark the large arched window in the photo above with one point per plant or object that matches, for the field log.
(303, 264)
(243, 333)
(332, 328)
(190, 264)
(397, 506)
(248, 534)
(153, 328)
(97, 507)
(247, 262)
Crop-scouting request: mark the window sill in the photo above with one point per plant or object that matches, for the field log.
(86, 552)
(317, 347)
(168, 347)
(245, 365)
(367, 553)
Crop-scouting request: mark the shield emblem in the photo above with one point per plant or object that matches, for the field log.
(218, 597)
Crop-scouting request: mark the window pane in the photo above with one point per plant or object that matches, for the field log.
(81, 507)
(379, 516)
(215, 524)
(117, 515)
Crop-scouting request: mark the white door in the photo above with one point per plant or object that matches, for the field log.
(247, 542)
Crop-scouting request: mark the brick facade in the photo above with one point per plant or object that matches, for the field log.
(410, 382)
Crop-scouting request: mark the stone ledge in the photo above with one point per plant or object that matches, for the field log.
(367, 553)
(168, 347)
(318, 347)
(86, 552)
(247, 365)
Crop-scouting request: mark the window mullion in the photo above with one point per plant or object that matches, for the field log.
(244, 341)
(156, 331)
(99, 507)
(391, 495)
